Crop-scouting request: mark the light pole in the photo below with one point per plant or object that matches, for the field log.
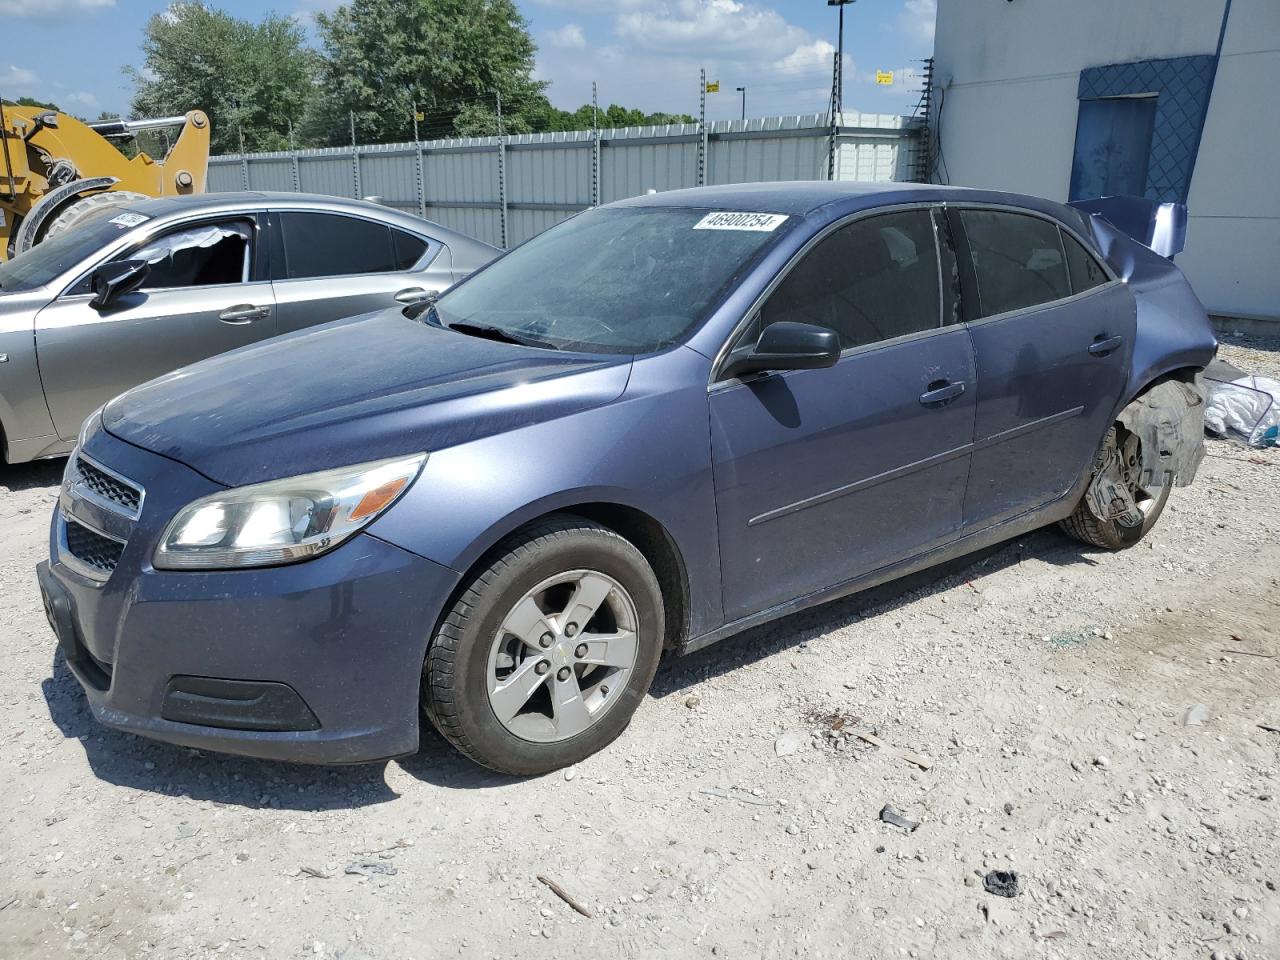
(840, 54)
(743, 91)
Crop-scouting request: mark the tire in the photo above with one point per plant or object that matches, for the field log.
(492, 646)
(75, 212)
(1112, 534)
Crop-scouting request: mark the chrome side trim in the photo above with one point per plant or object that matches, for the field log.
(909, 468)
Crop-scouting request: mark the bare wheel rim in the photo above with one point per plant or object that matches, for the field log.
(1131, 470)
(562, 656)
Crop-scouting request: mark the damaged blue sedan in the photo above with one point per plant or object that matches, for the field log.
(656, 424)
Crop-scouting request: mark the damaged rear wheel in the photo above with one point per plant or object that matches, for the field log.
(1117, 509)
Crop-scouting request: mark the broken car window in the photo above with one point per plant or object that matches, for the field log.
(199, 256)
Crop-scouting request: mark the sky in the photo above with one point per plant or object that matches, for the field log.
(642, 53)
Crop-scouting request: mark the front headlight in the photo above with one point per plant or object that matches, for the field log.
(283, 521)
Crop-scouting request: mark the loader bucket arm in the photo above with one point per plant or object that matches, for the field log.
(44, 153)
(184, 170)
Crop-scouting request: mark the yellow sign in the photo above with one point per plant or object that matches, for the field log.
(884, 77)
(419, 116)
(713, 86)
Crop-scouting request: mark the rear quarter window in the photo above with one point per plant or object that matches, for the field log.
(1086, 271)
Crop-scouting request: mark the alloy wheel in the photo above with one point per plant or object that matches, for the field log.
(562, 656)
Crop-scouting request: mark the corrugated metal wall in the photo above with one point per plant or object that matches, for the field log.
(507, 190)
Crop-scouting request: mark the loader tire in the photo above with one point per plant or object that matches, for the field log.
(82, 208)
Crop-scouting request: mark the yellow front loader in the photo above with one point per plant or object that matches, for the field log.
(55, 169)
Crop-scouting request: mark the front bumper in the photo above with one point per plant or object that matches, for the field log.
(316, 662)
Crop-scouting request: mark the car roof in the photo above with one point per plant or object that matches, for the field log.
(160, 207)
(835, 197)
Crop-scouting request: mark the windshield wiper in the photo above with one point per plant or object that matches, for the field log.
(500, 335)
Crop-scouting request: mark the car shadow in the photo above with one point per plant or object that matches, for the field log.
(1047, 545)
(137, 763)
(25, 476)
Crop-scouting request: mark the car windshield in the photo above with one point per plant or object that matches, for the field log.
(50, 258)
(615, 280)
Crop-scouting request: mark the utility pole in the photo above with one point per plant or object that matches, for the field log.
(502, 174)
(355, 156)
(743, 91)
(702, 126)
(840, 4)
(415, 121)
(595, 145)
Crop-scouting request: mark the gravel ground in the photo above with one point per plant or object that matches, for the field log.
(1030, 704)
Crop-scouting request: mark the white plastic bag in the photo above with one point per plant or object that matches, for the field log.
(1247, 408)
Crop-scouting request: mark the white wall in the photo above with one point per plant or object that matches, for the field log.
(1233, 238)
(1012, 70)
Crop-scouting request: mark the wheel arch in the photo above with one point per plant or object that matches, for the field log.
(644, 531)
(1167, 414)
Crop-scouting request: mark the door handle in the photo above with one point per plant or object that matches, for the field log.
(415, 295)
(942, 391)
(1102, 346)
(243, 313)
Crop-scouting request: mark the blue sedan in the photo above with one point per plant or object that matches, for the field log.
(656, 424)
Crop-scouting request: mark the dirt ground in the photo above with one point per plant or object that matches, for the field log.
(1046, 687)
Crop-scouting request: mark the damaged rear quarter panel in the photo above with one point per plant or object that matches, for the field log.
(1173, 337)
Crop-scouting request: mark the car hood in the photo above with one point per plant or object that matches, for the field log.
(353, 391)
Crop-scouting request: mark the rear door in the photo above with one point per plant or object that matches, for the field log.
(824, 475)
(331, 265)
(207, 292)
(1052, 335)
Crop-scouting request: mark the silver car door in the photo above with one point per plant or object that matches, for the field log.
(202, 297)
(331, 265)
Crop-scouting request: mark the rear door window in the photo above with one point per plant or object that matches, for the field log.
(1018, 260)
(333, 245)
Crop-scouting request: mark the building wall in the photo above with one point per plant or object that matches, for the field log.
(1010, 73)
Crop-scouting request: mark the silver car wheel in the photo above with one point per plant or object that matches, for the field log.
(563, 656)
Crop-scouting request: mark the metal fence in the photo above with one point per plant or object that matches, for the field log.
(506, 189)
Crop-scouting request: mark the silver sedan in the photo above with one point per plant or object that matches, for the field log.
(144, 288)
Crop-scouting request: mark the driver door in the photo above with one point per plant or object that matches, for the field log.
(206, 292)
(823, 476)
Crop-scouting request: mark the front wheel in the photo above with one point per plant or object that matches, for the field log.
(548, 651)
(1116, 534)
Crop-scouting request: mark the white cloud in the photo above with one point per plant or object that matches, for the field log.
(810, 57)
(716, 28)
(918, 18)
(593, 6)
(568, 37)
(18, 81)
(50, 9)
(82, 99)
(656, 48)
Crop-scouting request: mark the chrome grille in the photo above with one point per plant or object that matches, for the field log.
(106, 486)
(91, 548)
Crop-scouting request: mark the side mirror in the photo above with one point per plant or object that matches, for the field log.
(111, 281)
(786, 345)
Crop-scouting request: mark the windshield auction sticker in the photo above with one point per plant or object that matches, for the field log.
(728, 220)
(128, 219)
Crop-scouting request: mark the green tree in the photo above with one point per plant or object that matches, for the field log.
(255, 77)
(32, 102)
(449, 57)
